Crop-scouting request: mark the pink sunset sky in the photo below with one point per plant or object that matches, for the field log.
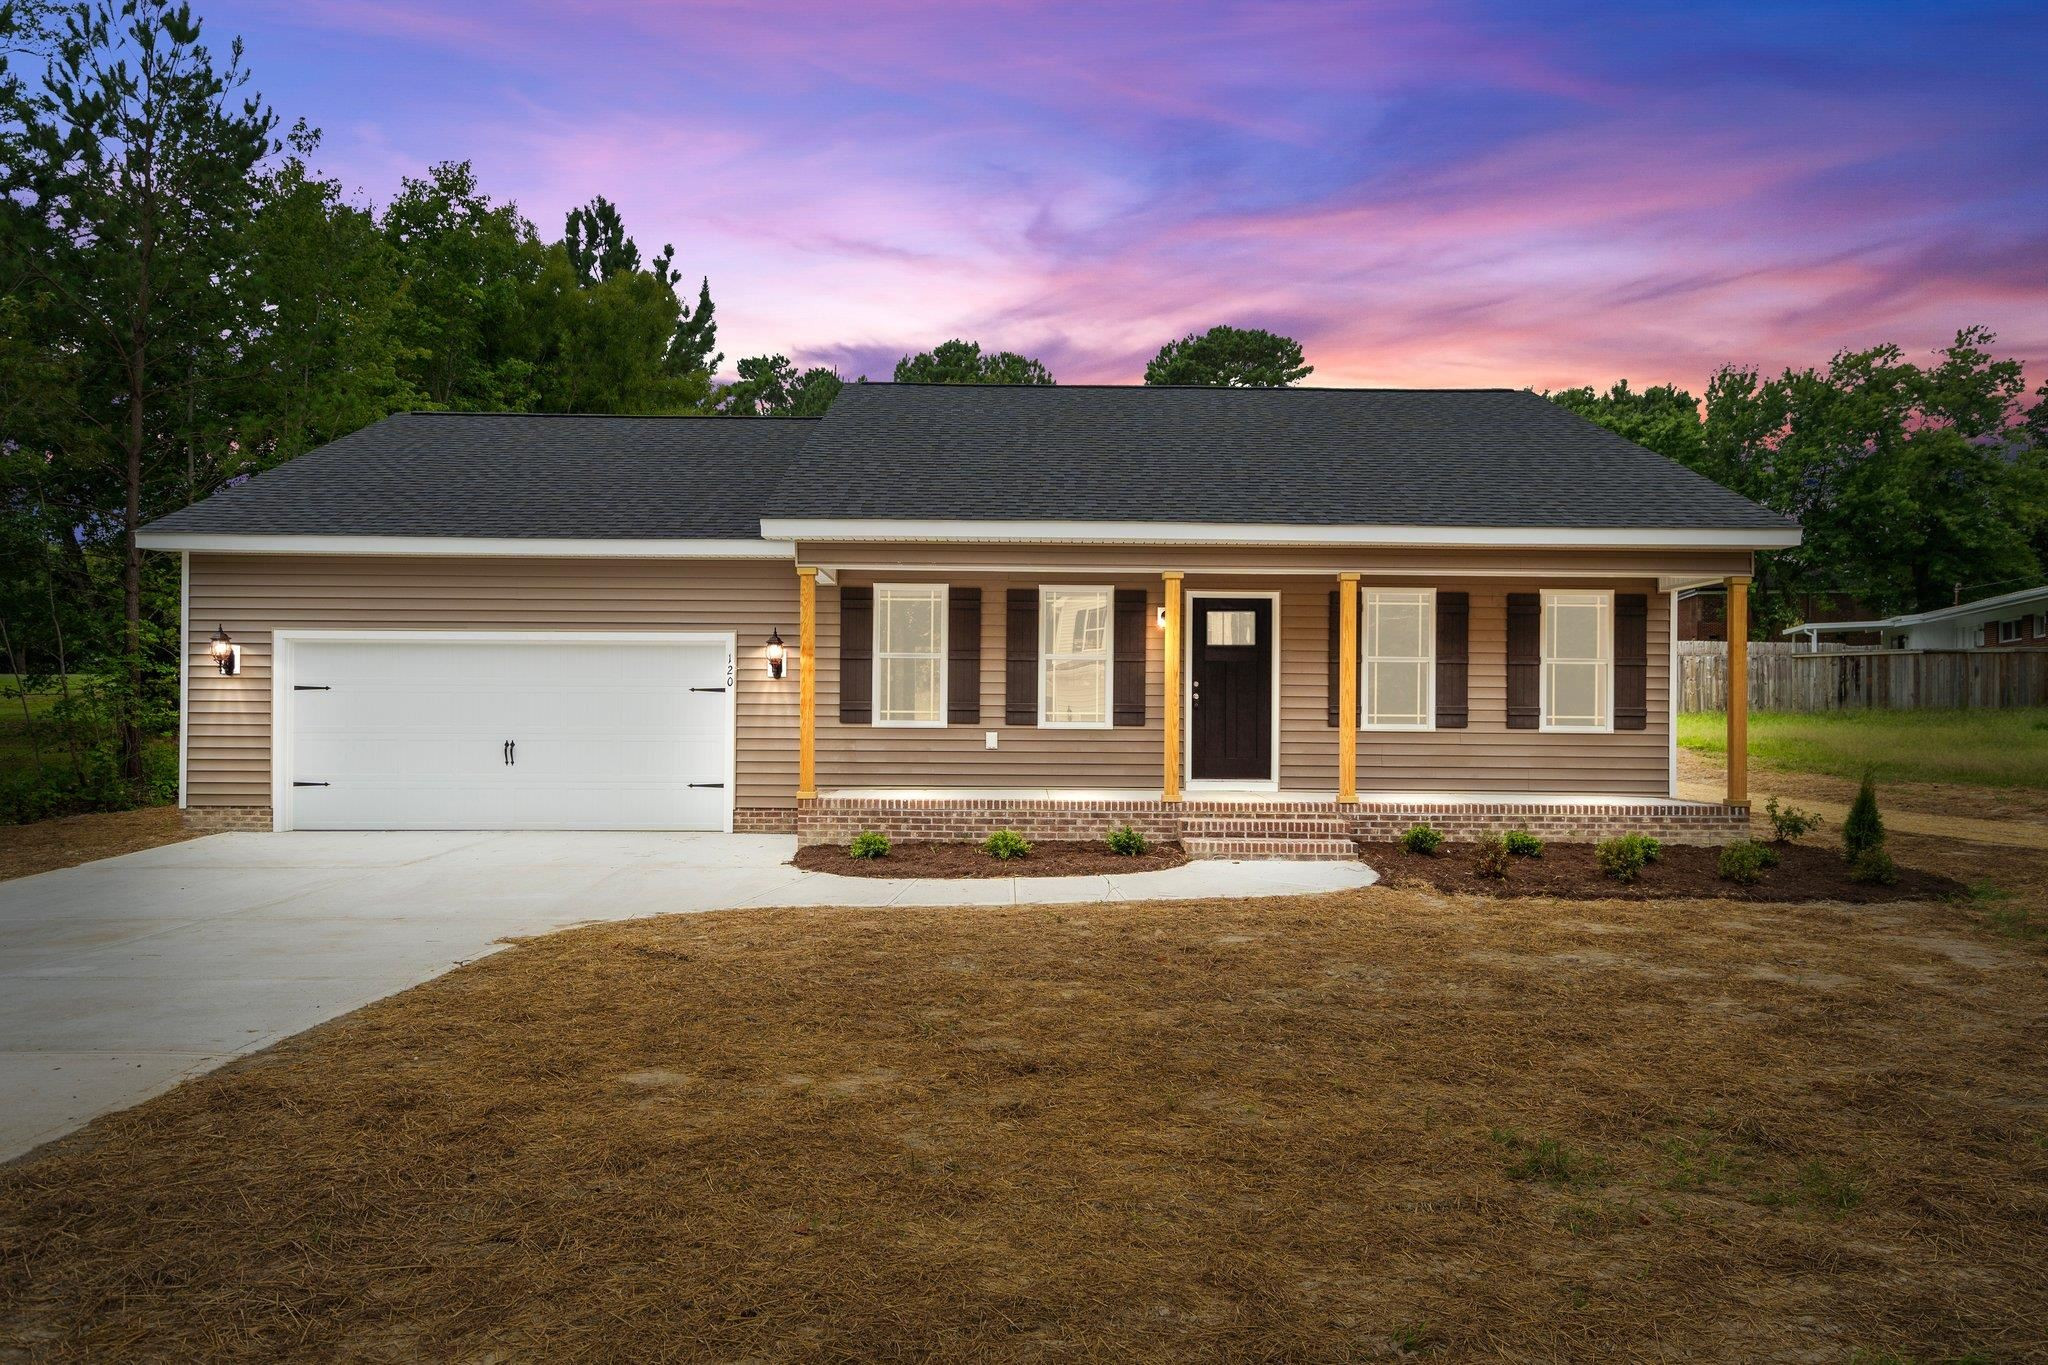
(1422, 194)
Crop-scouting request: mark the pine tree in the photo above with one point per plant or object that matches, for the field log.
(1864, 829)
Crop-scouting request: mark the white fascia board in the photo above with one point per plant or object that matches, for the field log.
(483, 546)
(1206, 533)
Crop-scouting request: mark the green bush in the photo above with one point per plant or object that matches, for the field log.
(1874, 867)
(1493, 857)
(1864, 829)
(1005, 844)
(869, 843)
(1127, 842)
(1789, 822)
(1523, 844)
(1426, 839)
(1744, 861)
(1626, 855)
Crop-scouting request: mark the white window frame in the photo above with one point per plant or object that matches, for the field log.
(1046, 657)
(1427, 660)
(882, 590)
(1544, 660)
(2015, 627)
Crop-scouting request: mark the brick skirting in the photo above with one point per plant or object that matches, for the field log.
(217, 819)
(835, 820)
(764, 820)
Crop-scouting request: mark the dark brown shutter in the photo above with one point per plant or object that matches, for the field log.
(963, 656)
(1129, 685)
(1020, 653)
(1525, 660)
(856, 656)
(1631, 661)
(1330, 715)
(1453, 659)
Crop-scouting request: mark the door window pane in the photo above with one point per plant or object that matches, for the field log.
(909, 654)
(1073, 655)
(1232, 628)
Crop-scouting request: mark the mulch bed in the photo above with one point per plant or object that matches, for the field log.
(1048, 858)
(1685, 872)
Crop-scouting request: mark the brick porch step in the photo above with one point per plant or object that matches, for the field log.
(1255, 848)
(1250, 826)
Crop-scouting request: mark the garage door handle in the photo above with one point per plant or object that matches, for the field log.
(707, 784)
(511, 753)
(707, 689)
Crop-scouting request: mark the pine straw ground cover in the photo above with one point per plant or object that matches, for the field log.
(1347, 1127)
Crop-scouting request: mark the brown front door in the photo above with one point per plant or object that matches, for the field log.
(1231, 709)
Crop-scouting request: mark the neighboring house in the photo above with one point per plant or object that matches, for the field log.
(1267, 618)
(2008, 621)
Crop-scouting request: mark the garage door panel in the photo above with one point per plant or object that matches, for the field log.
(411, 735)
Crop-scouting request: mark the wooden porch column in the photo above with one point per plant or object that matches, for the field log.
(807, 684)
(1738, 689)
(1347, 688)
(1169, 786)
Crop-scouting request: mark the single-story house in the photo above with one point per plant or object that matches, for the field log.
(1261, 618)
(2011, 620)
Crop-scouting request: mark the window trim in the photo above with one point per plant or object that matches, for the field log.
(1365, 596)
(1544, 660)
(2018, 631)
(1045, 657)
(943, 653)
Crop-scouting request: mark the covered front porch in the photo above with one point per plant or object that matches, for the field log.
(1240, 725)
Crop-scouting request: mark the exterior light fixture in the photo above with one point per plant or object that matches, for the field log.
(226, 653)
(1162, 618)
(778, 653)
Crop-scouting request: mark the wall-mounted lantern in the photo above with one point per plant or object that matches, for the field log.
(1162, 618)
(227, 655)
(778, 654)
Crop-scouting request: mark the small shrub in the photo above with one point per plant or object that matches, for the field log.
(1426, 839)
(1789, 822)
(869, 843)
(1523, 844)
(1874, 867)
(1005, 844)
(1744, 861)
(1864, 827)
(1127, 842)
(1626, 855)
(1493, 857)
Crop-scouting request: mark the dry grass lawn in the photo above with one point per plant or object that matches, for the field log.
(1337, 1128)
(68, 840)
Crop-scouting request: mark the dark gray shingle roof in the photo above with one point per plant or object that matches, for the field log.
(517, 475)
(1343, 457)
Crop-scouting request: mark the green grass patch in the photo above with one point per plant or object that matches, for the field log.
(1974, 747)
(1549, 1161)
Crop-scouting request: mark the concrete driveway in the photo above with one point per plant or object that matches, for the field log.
(121, 977)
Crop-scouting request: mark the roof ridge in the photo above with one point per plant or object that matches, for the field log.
(1202, 388)
(606, 416)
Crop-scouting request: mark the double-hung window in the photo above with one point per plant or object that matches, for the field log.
(910, 654)
(1073, 656)
(1398, 690)
(2009, 631)
(1578, 660)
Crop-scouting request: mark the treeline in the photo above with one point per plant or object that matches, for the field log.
(1916, 484)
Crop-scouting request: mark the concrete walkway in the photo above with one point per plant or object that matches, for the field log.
(122, 977)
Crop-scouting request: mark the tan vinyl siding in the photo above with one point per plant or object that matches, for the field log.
(955, 756)
(229, 718)
(1484, 757)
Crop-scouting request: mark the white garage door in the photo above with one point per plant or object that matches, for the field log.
(553, 733)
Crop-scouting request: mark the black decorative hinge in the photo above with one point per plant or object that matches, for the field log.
(311, 784)
(707, 689)
(707, 784)
(311, 687)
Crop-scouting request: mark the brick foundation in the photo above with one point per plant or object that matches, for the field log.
(835, 820)
(764, 820)
(218, 819)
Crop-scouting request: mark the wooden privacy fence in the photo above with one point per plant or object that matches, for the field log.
(1855, 679)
